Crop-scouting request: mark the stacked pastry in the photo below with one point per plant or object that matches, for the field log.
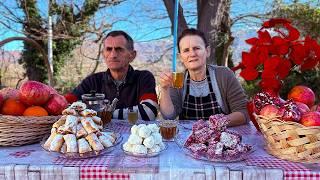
(79, 130)
(144, 139)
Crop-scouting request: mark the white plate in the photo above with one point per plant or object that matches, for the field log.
(87, 154)
(144, 155)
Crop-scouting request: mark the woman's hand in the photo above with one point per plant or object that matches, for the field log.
(165, 80)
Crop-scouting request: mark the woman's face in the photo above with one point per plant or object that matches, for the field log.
(193, 52)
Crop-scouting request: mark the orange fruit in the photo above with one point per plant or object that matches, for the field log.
(35, 111)
(13, 107)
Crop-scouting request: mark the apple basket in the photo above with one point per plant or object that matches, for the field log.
(290, 140)
(22, 130)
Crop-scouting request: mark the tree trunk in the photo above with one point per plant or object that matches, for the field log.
(214, 21)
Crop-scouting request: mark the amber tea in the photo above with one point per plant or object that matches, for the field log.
(168, 129)
(177, 79)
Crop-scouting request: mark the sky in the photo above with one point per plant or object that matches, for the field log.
(134, 16)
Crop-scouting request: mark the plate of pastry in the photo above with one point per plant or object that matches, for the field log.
(78, 134)
(144, 141)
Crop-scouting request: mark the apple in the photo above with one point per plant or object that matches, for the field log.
(270, 111)
(302, 94)
(311, 118)
(303, 108)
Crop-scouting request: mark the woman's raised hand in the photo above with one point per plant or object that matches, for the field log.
(165, 80)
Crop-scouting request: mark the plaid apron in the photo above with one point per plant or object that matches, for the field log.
(195, 108)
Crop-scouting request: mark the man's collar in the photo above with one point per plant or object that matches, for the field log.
(129, 76)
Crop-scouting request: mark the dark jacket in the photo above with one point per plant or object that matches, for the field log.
(137, 92)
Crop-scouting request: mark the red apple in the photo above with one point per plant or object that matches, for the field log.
(270, 111)
(311, 119)
(302, 94)
(56, 104)
(71, 98)
(303, 108)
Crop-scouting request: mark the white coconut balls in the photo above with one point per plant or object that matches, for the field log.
(144, 139)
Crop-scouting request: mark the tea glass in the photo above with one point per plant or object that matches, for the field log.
(168, 129)
(177, 79)
(132, 117)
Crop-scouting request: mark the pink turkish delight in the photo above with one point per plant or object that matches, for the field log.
(218, 122)
(199, 125)
(229, 140)
(202, 135)
(198, 148)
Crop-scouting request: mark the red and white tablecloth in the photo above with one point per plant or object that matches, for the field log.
(116, 165)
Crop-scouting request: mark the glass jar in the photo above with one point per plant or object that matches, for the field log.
(97, 102)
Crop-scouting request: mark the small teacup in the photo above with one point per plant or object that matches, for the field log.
(168, 129)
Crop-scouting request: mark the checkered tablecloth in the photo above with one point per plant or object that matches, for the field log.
(116, 165)
(93, 173)
(101, 161)
(292, 170)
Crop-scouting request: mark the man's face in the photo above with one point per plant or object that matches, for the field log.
(116, 55)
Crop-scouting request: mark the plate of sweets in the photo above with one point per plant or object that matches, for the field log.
(211, 141)
(144, 141)
(78, 134)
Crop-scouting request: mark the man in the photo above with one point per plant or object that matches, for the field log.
(135, 89)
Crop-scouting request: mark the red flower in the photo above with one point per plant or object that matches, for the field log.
(271, 58)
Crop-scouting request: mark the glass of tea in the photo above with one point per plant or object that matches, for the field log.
(168, 129)
(177, 78)
(132, 116)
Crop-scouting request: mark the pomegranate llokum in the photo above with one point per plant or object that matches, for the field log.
(212, 140)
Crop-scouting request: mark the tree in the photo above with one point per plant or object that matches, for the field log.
(214, 20)
(71, 22)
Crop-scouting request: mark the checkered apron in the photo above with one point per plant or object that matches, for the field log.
(195, 108)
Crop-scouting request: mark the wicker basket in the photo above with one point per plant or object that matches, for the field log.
(290, 140)
(22, 130)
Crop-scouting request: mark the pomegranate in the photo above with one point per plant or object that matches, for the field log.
(302, 94)
(290, 111)
(52, 90)
(9, 93)
(262, 99)
(56, 104)
(311, 119)
(34, 93)
(270, 111)
(303, 108)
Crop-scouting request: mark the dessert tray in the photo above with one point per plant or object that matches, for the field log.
(212, 141)
(181, 139)
(141, 155)
(85, 155)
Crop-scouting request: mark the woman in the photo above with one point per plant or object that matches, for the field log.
(207, 89)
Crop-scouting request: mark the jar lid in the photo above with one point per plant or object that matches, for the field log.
(92, 97)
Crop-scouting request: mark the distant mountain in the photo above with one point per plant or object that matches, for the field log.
(9, 56)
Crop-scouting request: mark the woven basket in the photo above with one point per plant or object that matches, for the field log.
(22, 130)
(290, 140)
